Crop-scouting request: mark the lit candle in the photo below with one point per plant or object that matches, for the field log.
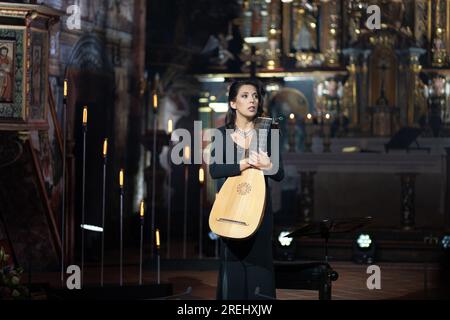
(121, 178)
(187, 153)
(170, 126)
(291, 131)
(65, 88)
(309, 118)
(201, 175)
(142, 209)
(105, 148)
(155, 101)
(327, 117)
(85, 115)
(158, 242)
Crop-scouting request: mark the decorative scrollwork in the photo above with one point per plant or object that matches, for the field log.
(11, 149)
(244, 188)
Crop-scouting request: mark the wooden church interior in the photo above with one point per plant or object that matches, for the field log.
(364, 117)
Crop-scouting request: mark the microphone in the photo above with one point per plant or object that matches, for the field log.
(175, 296)
(257, 290)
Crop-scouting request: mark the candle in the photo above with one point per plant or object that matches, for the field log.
(85, 115)
(291, 131)
(327, 117)
(158, 242)
(121, 178)
(201, 175)
(65, 88)
(155, 101)
(309, 118)
(142, 209)
(187, 153)
(170, 126)
(105, 148)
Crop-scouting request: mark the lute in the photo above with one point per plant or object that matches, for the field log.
(239, 207)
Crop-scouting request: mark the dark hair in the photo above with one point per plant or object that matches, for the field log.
(230, 119)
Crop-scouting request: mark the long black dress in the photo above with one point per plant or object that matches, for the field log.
(246, 264)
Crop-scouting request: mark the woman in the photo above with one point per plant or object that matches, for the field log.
(246, 264)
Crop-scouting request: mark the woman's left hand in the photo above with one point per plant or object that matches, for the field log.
(260, 160)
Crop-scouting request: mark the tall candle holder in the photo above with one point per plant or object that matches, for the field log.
(141, 214)
(309, 131)
(187, 156)
(83, 193)
(201, 180)
(327, 133)
(121, 177)
(105, 160)
(63, 209)
(169, 188)
(291, 132)
(158, 256)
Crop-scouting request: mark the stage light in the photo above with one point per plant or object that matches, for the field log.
(364, 249)
(284, 241)
(364, 241)
(285, 246)
(446, 242)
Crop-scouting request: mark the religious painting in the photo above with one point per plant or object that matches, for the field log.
(305, 24)
(38, 76)
(12, 66)
(6, 71)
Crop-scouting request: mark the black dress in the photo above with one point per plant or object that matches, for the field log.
(246, 264)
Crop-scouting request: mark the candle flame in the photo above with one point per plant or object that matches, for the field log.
(121, 178)
(292, 116)
(327, 116)
(170, 126)
(158, 241)
(65, 88)
(142, 209)
(309, 116)
(155, 101)
(105, 148)
(85, 115)
(201, 175)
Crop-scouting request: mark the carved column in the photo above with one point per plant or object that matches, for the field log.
(408, 182)
(414, 85)
(332, 51)
(438, 50)
(306, 196)
(351, 88)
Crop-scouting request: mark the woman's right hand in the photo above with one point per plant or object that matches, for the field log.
(244, 164)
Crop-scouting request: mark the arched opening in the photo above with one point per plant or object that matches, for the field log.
(91, 83)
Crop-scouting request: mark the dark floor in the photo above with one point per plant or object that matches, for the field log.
(398, 280)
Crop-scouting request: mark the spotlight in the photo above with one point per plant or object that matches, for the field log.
(446, 242)
(364, 249)
(284, 246)
(213, 236)
(284, 241)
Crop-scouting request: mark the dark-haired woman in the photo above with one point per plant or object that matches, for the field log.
(246, 269)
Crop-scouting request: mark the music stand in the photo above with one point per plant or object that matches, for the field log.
(404, 138)
(327, 227)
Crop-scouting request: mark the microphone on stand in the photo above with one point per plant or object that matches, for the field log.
(257, 290)
(175, 296)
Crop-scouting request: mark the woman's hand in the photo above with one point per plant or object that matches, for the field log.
(260, 160)
(244, 164)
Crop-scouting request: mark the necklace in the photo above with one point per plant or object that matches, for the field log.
(243, 133)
